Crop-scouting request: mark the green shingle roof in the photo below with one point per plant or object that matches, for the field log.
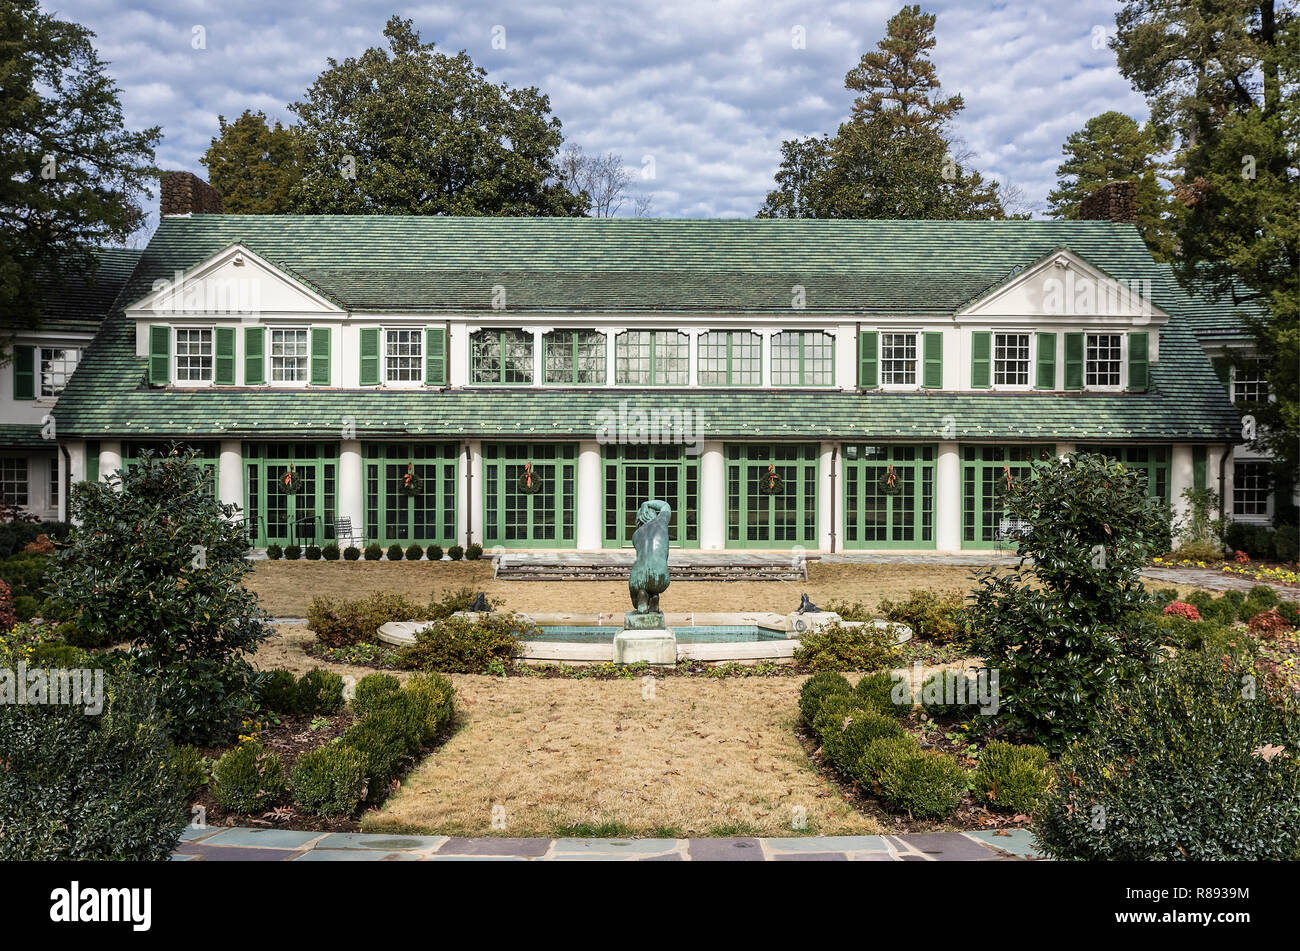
(620, 265)
(1211, 316)
(24, 436)
(82, 305)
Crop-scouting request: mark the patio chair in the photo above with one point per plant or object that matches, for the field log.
(344, 532)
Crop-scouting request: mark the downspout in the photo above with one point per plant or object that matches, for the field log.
(835, 454)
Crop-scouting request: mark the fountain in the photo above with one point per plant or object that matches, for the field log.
(645, 637)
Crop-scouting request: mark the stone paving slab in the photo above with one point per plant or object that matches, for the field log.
(385, 843)
(829, 843)
(725, 850)
(262, 838)
(356, 855)
(614, 846)
(530, 848)
(1016, 841)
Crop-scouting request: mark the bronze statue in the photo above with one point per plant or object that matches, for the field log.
(649, 576)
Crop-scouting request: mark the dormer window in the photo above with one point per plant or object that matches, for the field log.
(897, 359)
(57, 364)
(193, 356)
(1102, 367)
(404, 356)
(1011, 360)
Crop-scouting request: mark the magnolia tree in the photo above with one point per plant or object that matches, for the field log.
(1076, 623)
(158, 564)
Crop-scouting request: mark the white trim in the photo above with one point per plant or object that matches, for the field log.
(1031, 360)
(177, 382)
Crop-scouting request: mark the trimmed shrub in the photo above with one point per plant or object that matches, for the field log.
(885, 694)
(947, 694)
(929, 615)
(395, 552)
(1260, 598)
(372, 690)
(279, 691)
(55, 654)
(1012, 778)
(818, 687)
(313, 552)
(340, 623)
(274, 552)
(292, 552)
(351, 553)
(834, 713)
(437, 697)
(330, 552)
(191, 768)
(455, 553)
(845, 746)
(374, 551)
(474, 551)
(320, 691)
(1222, 610)
(878, 754)
(1182, 609)
(414, 553)
(90, 788)
(1289, 612)
(928, 785)
(1268, 624)
(460, 645)
(330, 781)
(387, 738)
(1193, 764)
(247, 779)
(435, 553)
(840, 647)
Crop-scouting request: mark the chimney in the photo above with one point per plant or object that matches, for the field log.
(1114, 201)
(184, 193)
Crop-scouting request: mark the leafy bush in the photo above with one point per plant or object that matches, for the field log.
(1199, 551)
(56, 654)
(925, 785)
(474, 551)
(851, 610)
(330, 781)
(76, 787)
(1221, 610)
(929, 615)
(279, 691)
(845, 746)
(292, 552)
(1262, 543)
(456, 600)
(835, 710)
(414, 553)
(179, 597)
(274, 552)
(7, 617)
(879, 753)
(1259, 598)
(1268, 624)
(387, 738)
(460, 645)
(247, 779)
(841, 647)
(435, 553)
(313, 552)
(395, 552)
(1192, 764)
(816, 688)
(882, 692)
(25, 575)
(1012, 778)
(1082, 622)
(372, 690)
(340, 623)
(1182, 609)
(330, 552)
(455, 553)
(373, 551)
(15, 535)
(949, 693)
(437, 699)
(319, 691)
(191, 768)
(351, 553)
(1289, 612)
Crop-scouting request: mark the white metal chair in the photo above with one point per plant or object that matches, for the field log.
(343, 531)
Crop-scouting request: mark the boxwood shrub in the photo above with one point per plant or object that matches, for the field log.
(319, 691)
(330, 781)
(414, 553)
(274, 552)
(330, 552)
(455, 553)
(834, 711)
(924, 785)
(880, 753)
(435, 553)
(944, 686)
(372, 690)
(374, 551)
(313, 552)
(278, 691)
(351, 553)
(387, 737)
(842, 647)
(248, 778)
(816, 688)
(473, 551)
(438, 699)
(395, 552)
(460, 645)
(292, 552)
(843, 747)
(1012, 778)
(882, 692)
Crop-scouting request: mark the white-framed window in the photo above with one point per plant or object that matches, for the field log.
(1010, 359)
(652, 358)
(13, 480)
(1250, 488)
(404, 355)
(57, 364)
(1249, 384)
(898, 359)
(730, 358)
(290, 355)
(501, 356)
(803, 358)
(193, 355)
(54, 483)
(1103, 361)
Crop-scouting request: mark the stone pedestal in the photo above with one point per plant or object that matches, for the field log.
(656, 646)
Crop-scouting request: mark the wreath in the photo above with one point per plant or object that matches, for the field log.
(889, 484)
(411, 484)
(290, 482)
(529, 482)
(772, 483)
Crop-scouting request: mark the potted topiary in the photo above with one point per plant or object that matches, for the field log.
(456, 553)
(351, 553)
(274, 552)
(374, 551)
(313, 553)
(330, 552)
(293, 552)
(395, 552)
(414, 553)
(435, 553)
(474, 551)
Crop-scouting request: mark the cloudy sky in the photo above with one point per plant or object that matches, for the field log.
(701, 91)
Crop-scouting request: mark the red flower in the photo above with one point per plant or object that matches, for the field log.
(1183, 609)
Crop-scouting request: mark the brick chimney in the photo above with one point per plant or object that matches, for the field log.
(1114, 201)
(184, 193)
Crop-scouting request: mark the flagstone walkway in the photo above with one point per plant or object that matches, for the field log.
(234, 844)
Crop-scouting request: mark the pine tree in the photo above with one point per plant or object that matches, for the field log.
(253, 165)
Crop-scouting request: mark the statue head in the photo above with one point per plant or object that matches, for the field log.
(651, 510)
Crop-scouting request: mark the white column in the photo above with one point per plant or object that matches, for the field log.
(947, 499)
(230, 473)
(351, 486)
(590, 501)
(713, 497)
(828, 499)
(1182, 476)
(469, 505)
(1063, 449)
(110, 458)
(538, 361)
(76, 469)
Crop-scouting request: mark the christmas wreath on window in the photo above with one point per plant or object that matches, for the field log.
(530, 483)
(290, 482)
(889, 484)
(771, 483)
(411, 484)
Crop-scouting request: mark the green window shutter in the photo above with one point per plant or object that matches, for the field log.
(320, 356)
(160, 355)
(225, 350)
(1074, 361)
(1223, 371)
(867, 354)
(933, 378)
(254, 356)
(435, 356)
(369, 356)
(981, 347)
(1198, 467)
(24, 373)
(92, 460)
(1046, 362)
(1138, 362)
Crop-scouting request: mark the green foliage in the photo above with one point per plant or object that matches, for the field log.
(373, 551)
(455, 552)
(1199, 534)
(458, 145)
(936, 617)
(882, 692)
(351, 553)
(189, 620)
(372, 690)
(313, 552)
(1259, 598)
(330, 781)
(474, 551)
(54, 654)
(844, 747)
(414, 553)
(924, 785)
(1082, 622)
(816, 688)
(839, 646)
(330, 552)
(292, 552)
(1260, 542)
(880, 753)
(78, 787)
(851, 610)
(834, 710)
(25, 573)
(463, 646)
(278, 691)
(248, 779)
(1194, 764)
(253, 165)
(1290, 613)
(274, 552)
(437, 698)
(16, 535)
(395, 552)
(388, 737)
(1012, 778)
(192, 769)
(435, 553)
(339, 623)
(948, 694)
(319, 691)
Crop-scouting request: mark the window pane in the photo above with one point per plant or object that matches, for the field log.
(898, 359)
(404, 356)
(672, 355)
(1103, 360)
(785, 360)
(1250, 488)
(193, 356)
(56, 366)
(289, 356)
(13, 481)
(1011, 359)
(1249, 384)
(632, 357)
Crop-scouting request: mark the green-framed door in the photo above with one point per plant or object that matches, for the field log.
(987, 473)
(636, 474)
(424, 517)
(1151, 461)
(515, 517)
(282, 517)
(888, 496)
(206, 459)
(758, 517)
